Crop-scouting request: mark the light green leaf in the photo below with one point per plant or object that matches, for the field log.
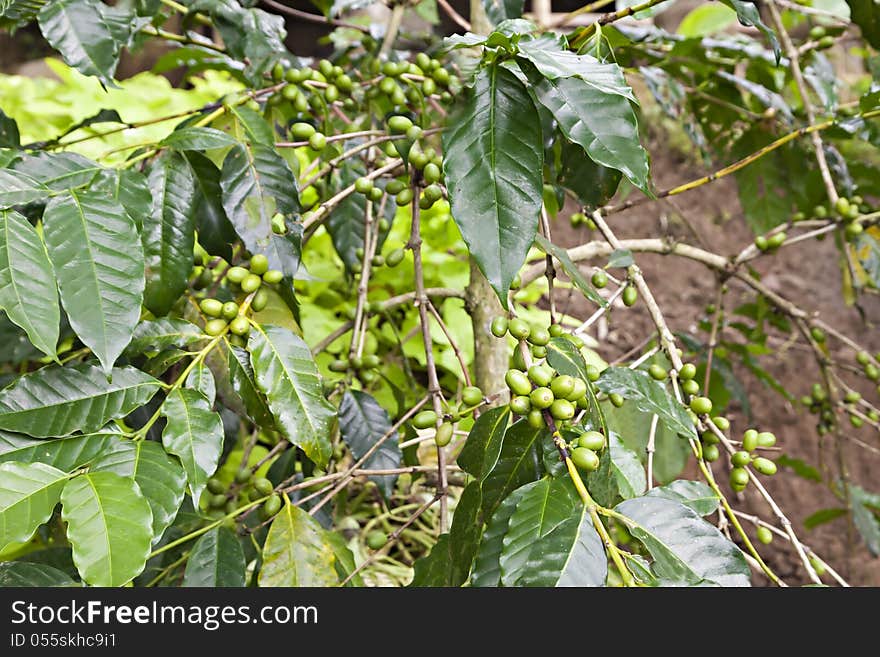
(362, 422)
(706, 19)
(56, 401)
(193, 433)
(28, 495)
(865, 506)
(345, 564)
(620, 474)
(687, 550)
(28, 291)
(161, 479)
(551, 540)
(483, 446)
(66, 454)
(493, 163)
(822, 516)
(217, 560)
(286, 373)
(95, 249)
(108, 526)
(24, 574)
(695, 495)
(297, 552)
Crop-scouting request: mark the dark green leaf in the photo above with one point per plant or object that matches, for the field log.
(866, 15)
(800, 468)
(362, 423)
(9, 135)
(432, 570)
(594, 184)
(96, 251)
(108, 525)
(297, 552)
(487, 566)
(159, 334)
(518, 463)
(865, 507)
(168, 233)
(748, 15)
(502, 10)
(28, 495)
(197, 139)
(241, 376)
(649, 396)
(693, 494)
(483, 446)
(58, 171)
(257, 183)
(345, 565)
(822, 516)
(66, 454)
(23, 574)
(129, 188)
(493, 163)
(551, 540)
(570, 268)
(686, 549)
(216, 234)
(193, 433)
(56, 401)
(17, 189)
(28, 291)
(620, 475)
(287, 375)
(160, 478)
(217, 559)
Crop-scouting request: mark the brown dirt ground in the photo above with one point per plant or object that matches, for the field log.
(807, 274)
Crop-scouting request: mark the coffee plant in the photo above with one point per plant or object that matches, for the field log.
(302, 322)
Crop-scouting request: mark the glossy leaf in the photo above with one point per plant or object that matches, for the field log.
(620, 475)
(493, 162)
(95, 249)
(160, 334)
(161, 479)
(58, 171)
(686, 549)
(66, 454)
(362, 423)
(345, 564)
(217, 559)
(866, 14)
(28, 495)
(257, 183)
(693, 494)
(168, 234)
(216, 234)
(10, 136)
(593, 184)
(297, 552)
(56, 401)
(24, 574)
(551, 540)
(518, 463)
(197, 139)
(649, 396)
(749, 15)
(202, 379)
(193, 433)
(487, 563)
(502, 10)
(483, 446)
(18, 189)
(108, 526)
(241, 375)
(571, 270)
(287, 375)
(28, 291)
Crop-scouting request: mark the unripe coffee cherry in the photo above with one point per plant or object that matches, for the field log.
(425, 419)
(585, 459)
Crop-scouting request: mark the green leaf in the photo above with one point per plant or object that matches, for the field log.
(108, 526)
(201, 378)
(867, 251)
(483, 446)
(66, 454)
(866, 14)
(168, 234)
(197, 139)
(518, 463)
(487, 564)
(241, 376)
(748, 15)
(161, 479)
(345, 565)
(17, 189)
(58, 171)
(80, 31)
(24, 574)
(551, 540)
(571, 269)
(502, 10)
(56, 401)
(287, 375)
(800, 468)
(362, 422)
(566, 358)
(693, 494)
(160, 334)
(96, 251)
(493, 164)
(686, 549)
(649, 396)
(593, 184)
(216, 234)
(602, 123)
(297, 552)
(432, 570)
(28, 291)
(865, 507)
(9, 133)
(705, 20)
(822, 516)
(193, 433)
(620, 474)
(217, 560)
(256, 129)
(621, 258)
(257, 183)
(28, 495)
(129, 188)
(346, 223)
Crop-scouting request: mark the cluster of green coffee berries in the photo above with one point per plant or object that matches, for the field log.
(363, 366)
(309, 89)
(403, 82)
(230, 315)
(246, 488)
(846, 211)
(580, 219)
(471, 398)
(869, 368)
(820, 35)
